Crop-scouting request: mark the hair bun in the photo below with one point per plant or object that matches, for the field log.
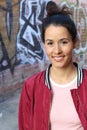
(52, 9)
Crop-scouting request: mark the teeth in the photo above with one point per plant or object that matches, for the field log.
(58, 58)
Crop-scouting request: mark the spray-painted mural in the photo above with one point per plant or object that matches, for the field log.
(79, 16)
(8, 31)
(25, 46)
(29, 42)
(21, 46)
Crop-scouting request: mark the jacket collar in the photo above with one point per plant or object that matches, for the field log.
(79, 75)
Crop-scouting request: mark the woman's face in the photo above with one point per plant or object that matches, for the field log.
(59, 45)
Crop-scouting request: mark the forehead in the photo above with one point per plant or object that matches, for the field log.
(56, 31)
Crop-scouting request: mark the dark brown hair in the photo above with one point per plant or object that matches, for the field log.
(59, 16)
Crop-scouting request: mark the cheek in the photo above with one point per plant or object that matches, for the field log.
(47, 50)
(68, 50)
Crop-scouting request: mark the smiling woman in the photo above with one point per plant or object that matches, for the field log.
(53, 99)
(59, 46)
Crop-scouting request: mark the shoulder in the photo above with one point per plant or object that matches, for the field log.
(35, 77)
(35, 80)
(33, 83)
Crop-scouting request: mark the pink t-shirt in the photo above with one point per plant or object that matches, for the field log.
(63, 115)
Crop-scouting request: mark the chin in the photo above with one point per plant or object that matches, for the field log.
(59, 66)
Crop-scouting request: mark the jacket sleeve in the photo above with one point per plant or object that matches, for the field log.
(25, 109)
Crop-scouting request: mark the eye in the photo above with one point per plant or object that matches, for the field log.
(49, 43)
(64, 42)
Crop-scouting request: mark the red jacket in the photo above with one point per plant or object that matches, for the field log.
(35, 101)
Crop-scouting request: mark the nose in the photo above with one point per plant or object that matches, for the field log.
(57, 49)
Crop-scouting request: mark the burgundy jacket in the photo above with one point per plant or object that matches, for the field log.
(35, 101)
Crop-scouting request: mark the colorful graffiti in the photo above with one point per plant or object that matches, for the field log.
(8, 34)
(29, 42)
(79, 16)
(20, 31)
(4, 58)
(29, 45)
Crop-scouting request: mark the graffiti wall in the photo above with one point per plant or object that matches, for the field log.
(29, 43)
(79, 15)
(9, 15)
(21, 48)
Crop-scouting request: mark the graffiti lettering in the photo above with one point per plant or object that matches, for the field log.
(29, 37)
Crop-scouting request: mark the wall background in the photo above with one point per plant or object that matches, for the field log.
(21, 48)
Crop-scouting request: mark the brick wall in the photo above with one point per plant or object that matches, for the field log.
(12, 71)
(9, 83)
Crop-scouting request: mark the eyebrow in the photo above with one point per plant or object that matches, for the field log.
(48, 40)
(64, 39)
(59, 40)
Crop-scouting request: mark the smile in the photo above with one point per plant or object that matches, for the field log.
(58, 59)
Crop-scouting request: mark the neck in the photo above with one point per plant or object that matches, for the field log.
(63, 75)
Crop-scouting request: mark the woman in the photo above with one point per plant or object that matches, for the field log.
(56, 99)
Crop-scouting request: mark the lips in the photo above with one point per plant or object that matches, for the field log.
(58, 58)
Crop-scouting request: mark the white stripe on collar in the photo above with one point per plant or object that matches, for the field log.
(79, 76)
